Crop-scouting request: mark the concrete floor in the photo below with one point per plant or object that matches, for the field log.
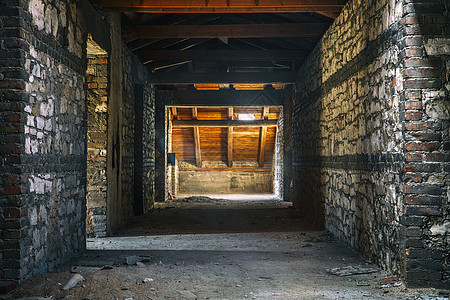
(205, 248)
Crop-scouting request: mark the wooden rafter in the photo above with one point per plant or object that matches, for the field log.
(230, 31)
(220, 6)
(223, 123)
(259, 170)
(254, 77)
(227, 55)
(230, 139)
(262, 146)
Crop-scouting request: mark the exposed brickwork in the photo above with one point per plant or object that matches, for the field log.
(369, 129)
(427, 78)
(13, 99)
(97, 122)
(43, 174)
(43, 131)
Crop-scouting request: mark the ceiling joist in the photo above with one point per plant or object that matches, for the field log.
(231, 78)
(223, 123)
(230, 31)
(226, 55)
(221, 6)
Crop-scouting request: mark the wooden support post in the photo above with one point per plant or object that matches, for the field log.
(174, 113)
(230, 139)
(198, 155)
(262, 145)
(266, 113)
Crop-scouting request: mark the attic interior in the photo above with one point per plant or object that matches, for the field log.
(335, 111)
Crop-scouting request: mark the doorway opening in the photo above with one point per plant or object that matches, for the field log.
(97, 126)
(217, 151)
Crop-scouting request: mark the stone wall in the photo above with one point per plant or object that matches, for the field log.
(45, 167)
(43, 130)
(350, 142)
(277, 165)
(148, 143)
(134, 73)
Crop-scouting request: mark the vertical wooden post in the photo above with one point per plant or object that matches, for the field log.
(174, 113)
(230, 139)
(198, 155)
(262, 138)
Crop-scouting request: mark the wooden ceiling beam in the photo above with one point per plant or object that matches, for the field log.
(221, 6)
(227, 55)
(231, 78)
(285, 30)
(223, 123)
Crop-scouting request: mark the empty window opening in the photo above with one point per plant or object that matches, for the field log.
(246, 117)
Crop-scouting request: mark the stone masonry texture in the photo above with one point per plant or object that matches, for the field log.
(46, 92)
(44, 203)
(370, 134)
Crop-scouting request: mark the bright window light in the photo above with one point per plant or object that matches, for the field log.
(246, 117)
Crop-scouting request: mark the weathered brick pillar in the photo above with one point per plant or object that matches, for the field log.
(13, 99)
(427, 210)
(42, 136)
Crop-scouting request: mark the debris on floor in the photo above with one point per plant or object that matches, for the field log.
(82, 269)
(132, 260)
(390, 282)
(73, 281)
(351, 270)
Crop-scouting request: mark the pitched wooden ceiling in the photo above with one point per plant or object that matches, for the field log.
(215, 134)
(223, 41)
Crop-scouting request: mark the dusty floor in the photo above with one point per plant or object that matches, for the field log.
(204, 248)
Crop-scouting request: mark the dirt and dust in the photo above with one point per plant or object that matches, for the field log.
(200, 248)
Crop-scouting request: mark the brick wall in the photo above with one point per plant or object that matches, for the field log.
(13, 100)
(97, 125)
(354, 102)
(426, 40)
(45, 196)
(43, 130)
